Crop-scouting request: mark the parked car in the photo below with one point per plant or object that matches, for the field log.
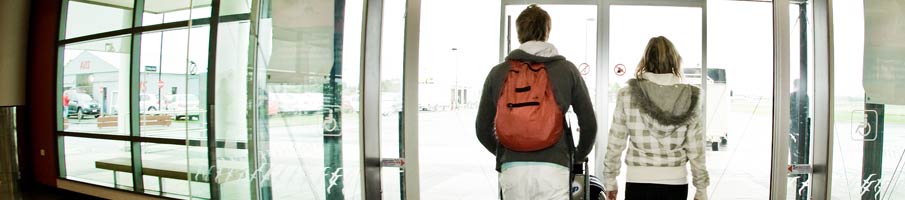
(183, 106)
(81, 105)
(273, 104)
(351, 103)
(296, 103)
(309, 103)
(285, 103)
(148, 102)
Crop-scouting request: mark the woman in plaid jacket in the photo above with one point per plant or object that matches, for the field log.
(659, 117)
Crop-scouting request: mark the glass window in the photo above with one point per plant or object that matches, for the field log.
(103, 15)
(235, 7)
(801, 74)
(739, 116)
(102, 162)
(628, 42)
(173, 82)
(158, 12)
(736, 108)
(306, 107)
(95, 86)
(232, 116)
(867, 103)
(391, 100)
(176, 171)
(447, 136)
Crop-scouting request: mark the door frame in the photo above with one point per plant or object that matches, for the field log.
(603, 38)
(822, 143)
(823, 84)
(370, 159)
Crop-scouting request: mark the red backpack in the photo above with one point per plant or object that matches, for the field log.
(528, 117)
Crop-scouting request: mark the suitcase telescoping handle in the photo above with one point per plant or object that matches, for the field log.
(580, 167)
(580, 170)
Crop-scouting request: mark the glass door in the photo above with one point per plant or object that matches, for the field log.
(305, 100)
(727, 51)
(630, 29)
(801, 90)
(390, 105)
(574, 34)
(868, 111)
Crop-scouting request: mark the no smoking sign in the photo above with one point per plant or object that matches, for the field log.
(619, 69)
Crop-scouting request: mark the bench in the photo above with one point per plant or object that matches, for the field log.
(172, 170)
(106, 121)
(146, 120)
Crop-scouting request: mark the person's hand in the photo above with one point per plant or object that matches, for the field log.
(611, 195)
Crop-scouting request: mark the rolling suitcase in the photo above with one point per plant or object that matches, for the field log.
(584, 185)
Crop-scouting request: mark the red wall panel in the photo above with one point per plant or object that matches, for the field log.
(39, 113)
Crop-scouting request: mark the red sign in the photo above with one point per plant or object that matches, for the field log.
(160, 84)
(143, 86)
(620, 69)
(85, 65)
(585, 68)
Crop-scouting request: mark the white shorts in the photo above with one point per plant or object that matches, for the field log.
(541, 182)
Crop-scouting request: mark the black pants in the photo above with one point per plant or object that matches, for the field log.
(644, 191)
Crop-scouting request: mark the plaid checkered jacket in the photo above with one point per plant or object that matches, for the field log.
(650, 142)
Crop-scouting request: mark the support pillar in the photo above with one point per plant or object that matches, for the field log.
(9, 170)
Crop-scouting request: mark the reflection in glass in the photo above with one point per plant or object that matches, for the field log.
(104, 15)
(95, 86)
(801, 77)
(167, 170)
(867, 154)
(102, 162)
(307, 138)
(234, 7)
(232, 111)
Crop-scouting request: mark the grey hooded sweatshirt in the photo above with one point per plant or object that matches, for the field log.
(569, 90)
(660, 119)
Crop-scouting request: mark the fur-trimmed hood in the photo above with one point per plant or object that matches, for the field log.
(668, 105)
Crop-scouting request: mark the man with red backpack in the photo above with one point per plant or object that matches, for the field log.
(520, 118)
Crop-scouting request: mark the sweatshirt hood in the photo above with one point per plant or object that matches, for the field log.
(538, 48)
(535, 52)
(521, 55)
(667, 104)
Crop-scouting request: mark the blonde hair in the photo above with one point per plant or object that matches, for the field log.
(660, 57)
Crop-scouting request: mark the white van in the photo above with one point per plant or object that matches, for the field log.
(718, 102)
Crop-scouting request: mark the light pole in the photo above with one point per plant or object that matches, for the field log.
(456, 85)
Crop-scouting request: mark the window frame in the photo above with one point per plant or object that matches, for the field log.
(133, 137)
